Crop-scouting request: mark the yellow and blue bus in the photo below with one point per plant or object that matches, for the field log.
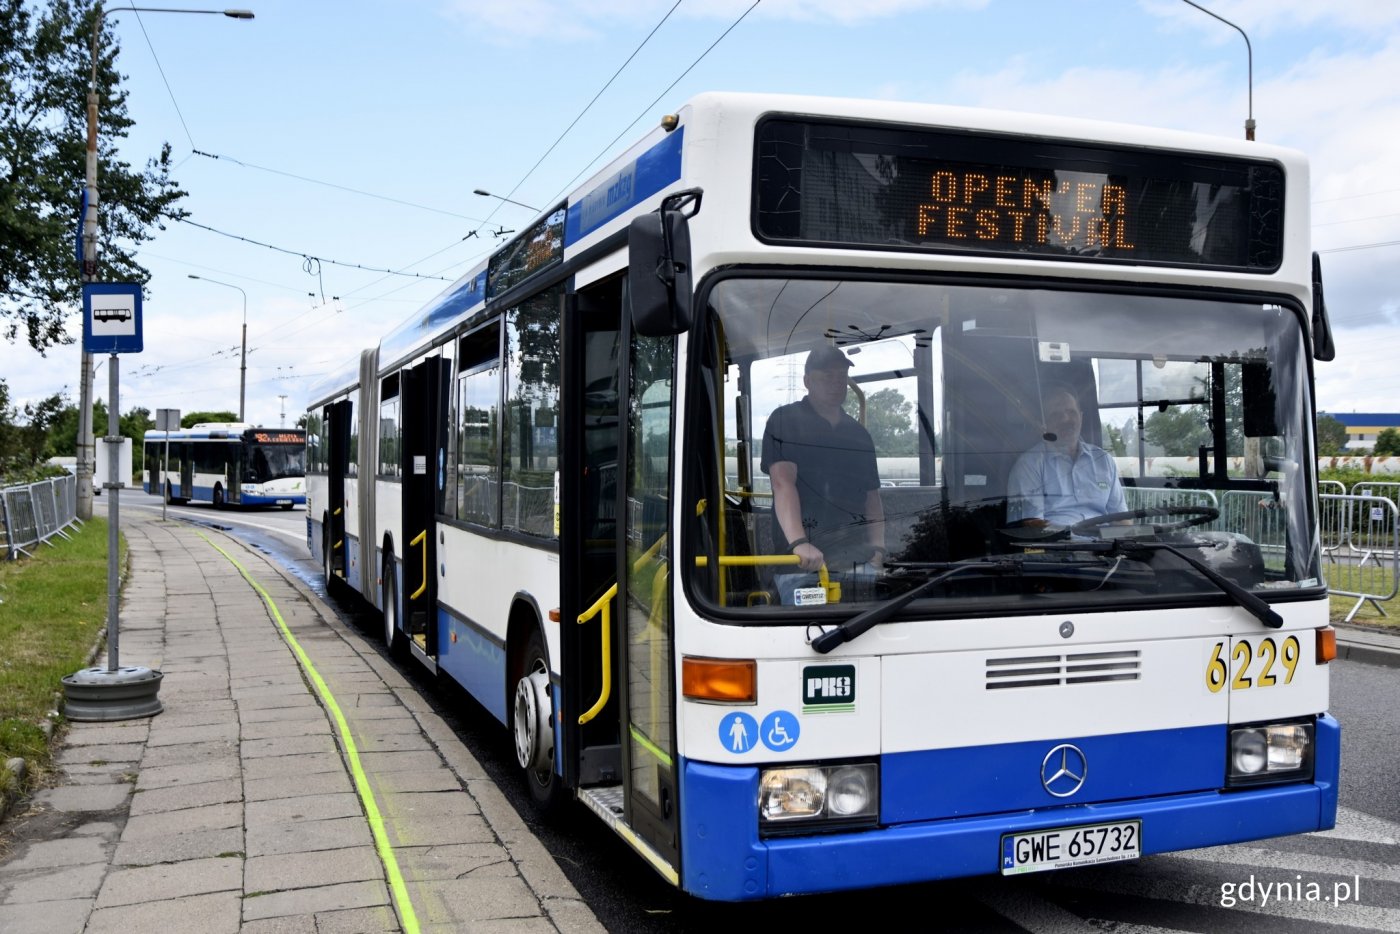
(550, 482)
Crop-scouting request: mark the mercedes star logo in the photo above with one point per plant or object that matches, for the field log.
(1064, 770)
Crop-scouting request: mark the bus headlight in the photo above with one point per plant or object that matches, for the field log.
(798, 798)
(1274, 752)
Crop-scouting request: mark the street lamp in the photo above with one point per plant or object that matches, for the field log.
(243, 361)
(85, 441)
(487, 194)
(1249, 53)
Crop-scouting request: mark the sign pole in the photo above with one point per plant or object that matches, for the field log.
(112, 324)
(113, 485)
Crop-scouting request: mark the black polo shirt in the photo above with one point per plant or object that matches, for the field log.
(835, 470)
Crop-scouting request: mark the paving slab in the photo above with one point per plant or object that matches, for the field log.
(294, 871)
(58, 917)
(218, 913)
(171, 880)
(323, 898)
(58, 883)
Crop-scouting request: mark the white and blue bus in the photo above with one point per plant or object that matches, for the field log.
(548, 480)
(227, 464)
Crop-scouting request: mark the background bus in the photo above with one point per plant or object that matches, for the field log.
(227, 464)
(549, 481)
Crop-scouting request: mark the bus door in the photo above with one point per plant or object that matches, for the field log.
(337, 463)
(588, 532)
(423, 443)
(189, 453)
(645, 550)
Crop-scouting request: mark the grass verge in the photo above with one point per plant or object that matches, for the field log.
(54, 605)
(1357, 579)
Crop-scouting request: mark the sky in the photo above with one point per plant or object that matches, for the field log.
(330, 148)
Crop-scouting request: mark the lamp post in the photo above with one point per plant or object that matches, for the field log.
(85, 440)
(243, 360)
(487, 194)
(1249, 53)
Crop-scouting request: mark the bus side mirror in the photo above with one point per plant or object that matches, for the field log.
(658, 273)
(1324, 348)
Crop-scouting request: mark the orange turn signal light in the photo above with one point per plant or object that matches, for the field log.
(1326, 644)
(728, 680)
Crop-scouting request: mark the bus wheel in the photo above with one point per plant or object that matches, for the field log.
(218, 496)
(389, 600)
(533, 727)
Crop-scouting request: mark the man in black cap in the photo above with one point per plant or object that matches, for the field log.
(826, 486)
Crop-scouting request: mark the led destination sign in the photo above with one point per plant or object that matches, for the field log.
(895, 188)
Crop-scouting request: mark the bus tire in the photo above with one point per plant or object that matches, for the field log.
(532, 726)
(219, 496)
(389, 602)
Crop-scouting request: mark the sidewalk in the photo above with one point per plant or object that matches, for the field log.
(236, 809)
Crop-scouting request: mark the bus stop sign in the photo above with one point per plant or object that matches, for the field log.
(111, 317)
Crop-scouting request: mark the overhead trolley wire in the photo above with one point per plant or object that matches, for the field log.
(356, 191)
(587, 107)
(150, 45)
(688, 70)
(307, 257)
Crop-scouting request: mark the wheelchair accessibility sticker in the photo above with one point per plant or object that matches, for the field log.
(780, 731)
(739, 732)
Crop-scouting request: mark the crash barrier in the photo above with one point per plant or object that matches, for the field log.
(1361, 546)
(35, 513)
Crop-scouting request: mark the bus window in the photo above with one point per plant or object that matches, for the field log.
(531, 440)
(478, 427)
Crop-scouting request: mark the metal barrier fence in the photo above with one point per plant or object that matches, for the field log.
(35, 513)
(1361, 542)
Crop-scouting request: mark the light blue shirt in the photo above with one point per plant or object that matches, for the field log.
(1046, 484)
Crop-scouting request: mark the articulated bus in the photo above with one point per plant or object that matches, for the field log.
(227, 464)
(549, 481)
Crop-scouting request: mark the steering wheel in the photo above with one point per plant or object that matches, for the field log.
(1191, 515)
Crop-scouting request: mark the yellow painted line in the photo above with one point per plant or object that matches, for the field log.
(397, 887)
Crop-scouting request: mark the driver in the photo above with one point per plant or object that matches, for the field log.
(1063, 480)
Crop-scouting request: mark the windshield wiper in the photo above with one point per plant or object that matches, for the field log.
(863, 622)
(1255, 604)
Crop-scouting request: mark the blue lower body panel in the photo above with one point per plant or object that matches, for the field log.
(723, 857)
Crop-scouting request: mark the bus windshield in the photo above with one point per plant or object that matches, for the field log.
(268, 462)
(1058, 448)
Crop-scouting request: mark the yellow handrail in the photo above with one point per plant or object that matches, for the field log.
(602, 605)
(421, 537)
(832, 588)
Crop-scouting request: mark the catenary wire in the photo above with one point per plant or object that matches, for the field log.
(150, 45)
(647, 109)
(355, 191)
(589, 105)
(304, 255)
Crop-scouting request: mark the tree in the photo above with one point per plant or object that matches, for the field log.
(889, 419)
(24, 433)
(1388, 441)
(198, 418)
(1331, 435)
(46, 61)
